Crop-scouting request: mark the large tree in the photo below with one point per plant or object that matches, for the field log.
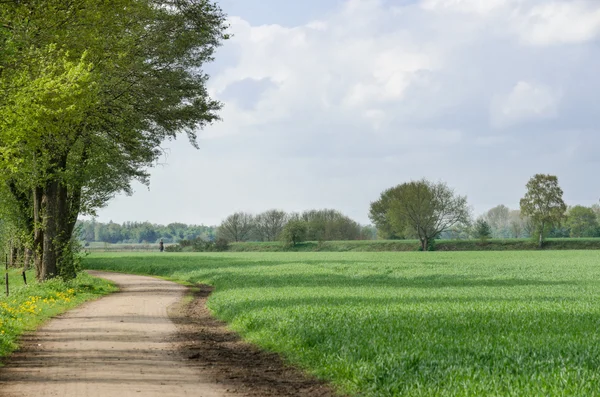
(88, 91)
(378, 213)
(423, 209)
(543, 203)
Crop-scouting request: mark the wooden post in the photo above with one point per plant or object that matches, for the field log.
(6, 276)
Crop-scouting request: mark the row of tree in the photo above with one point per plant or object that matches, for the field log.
(88, 91)
(312, 225)
(426, 210)
(142, 232)
(578, 221)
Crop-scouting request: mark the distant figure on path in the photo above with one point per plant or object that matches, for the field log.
(161, 246)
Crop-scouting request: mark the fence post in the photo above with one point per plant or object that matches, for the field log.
(6, 276)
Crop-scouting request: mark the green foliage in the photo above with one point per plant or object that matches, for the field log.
(29, 306)
(389, 324)
(329, 225)
(582, 222)
(199, 245)
(88, 91)
(174, 248)
(414, 245)
(482, 230)
(420, 209)
(141, 232)
(544, 204)
(294, 232)
(221, 245)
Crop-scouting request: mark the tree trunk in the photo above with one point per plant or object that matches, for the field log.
(27, 258)
(38, 230)
(541, 237)
(424, 244)
(50, 223)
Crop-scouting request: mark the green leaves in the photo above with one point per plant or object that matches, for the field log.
(419, 209)
(88, 92)
(543, 203)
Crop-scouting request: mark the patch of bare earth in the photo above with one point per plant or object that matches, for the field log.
(240, 366)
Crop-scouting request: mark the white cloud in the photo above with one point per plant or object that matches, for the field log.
(527, 101)
(467, 6)
(561, 22)
(331, 112)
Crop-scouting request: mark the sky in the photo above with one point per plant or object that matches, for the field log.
(329, 102)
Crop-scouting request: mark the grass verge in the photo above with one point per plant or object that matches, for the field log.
(29, 306)
(413, 245)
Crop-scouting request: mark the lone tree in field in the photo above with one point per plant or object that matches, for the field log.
(422, 209)
(544, 204)
(294, 232)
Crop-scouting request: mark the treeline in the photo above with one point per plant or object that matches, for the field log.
(431, 211)
(311, 225)
(579, 221)
(142, 232)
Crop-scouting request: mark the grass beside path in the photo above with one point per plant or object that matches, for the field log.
(409, 323)
(29, 306)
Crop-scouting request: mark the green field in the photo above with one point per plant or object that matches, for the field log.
(409, 324)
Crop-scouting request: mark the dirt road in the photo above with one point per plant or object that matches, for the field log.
(121, 345)
(142, 342)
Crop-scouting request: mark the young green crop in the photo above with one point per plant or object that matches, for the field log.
(409, 324)
(28, 306)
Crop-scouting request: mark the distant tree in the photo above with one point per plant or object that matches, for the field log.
(294, 232)
(596, 209)
(482, 230)
(378, 213)
(329, 224)
(544, 204)
(269, 224)
(516, 226)
(582, 222)
(368, 232)
(424, 209)
(498, 218)
(236, 227)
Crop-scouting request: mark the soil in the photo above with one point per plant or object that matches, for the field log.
(147, 341)
(243, 368)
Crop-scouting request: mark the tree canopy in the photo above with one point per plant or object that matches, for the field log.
(88, 91)
(543, 203)
(421, 209)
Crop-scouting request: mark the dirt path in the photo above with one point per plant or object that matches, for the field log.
(142, 342)
(121, 345)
